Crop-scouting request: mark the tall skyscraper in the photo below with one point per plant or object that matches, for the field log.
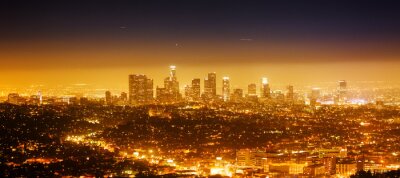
(225, 88)
(252, 89)
(315, 93)
(210, 85)
(170, 92)
(290, 93)
(140, 89)
(342, 85)
(162, 94)
(108, 98)
(188, 92)
(123, 97)
(192, 92)
(342, 91)
(172, 72)
(172, 84)
(237, 95)
(265, 89)
(196, 89)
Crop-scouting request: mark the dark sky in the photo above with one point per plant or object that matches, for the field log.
(346, 20)
(110, 34)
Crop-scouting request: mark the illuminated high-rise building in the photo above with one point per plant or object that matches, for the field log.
(172, 72)
(342, 90)
(290, 93)
(172, 84)
(192, 92)
(170, 92)
(162, 94)
(108, 98)
(225, 88)
(252, 89)
(123, 96)
(140, 89)
(278, 95)
(188, 92)
(342, 85)
(196, 89)
(237, 95)
(252, 93)
(315, 95)
(265, 89)
(210, 85)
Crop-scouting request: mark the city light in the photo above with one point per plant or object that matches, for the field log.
(200, 89)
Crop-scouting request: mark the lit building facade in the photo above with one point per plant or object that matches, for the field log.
(252, 89)
(170, 92)
(290, 93)
(225, 88)
(342, 91)
(265, 89)
(108, 98)
(195, 89)
(210, 85)
(140, 89)
(237, 95)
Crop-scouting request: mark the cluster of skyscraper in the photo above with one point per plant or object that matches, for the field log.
(141, 89)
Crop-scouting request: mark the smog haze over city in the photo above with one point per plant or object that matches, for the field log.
(101, 88)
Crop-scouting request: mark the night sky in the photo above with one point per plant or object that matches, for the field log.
(101, 42)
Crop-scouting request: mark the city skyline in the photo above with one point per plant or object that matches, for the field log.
(142, 91)
(241, 80)
(200, 88)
